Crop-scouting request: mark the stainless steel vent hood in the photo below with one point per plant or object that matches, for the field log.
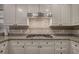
(39, 14)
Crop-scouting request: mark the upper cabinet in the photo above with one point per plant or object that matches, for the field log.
(75, 14)
(61, 14)
(9, 11)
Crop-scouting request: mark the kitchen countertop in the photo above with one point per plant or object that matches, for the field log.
(6, 38)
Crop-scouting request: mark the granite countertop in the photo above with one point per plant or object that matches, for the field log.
(6, 38)
(24, 37)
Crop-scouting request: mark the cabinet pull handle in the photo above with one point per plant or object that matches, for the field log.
(61, 42)
(23, 46)
(76, 45)
(17, 42)
(40, 46)
(1, 51)
(32, 42)
(4, 44)
(46, 42)
(60, 52)
(60, 47)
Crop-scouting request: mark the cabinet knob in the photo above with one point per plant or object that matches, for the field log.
(76, 45)
(4, 44)
(46, 42)
(39, 46)
(17, 42)
(61, 42)
(60, 52)
(1, 51)
(60, 47)
(22, 46)
(32, 42)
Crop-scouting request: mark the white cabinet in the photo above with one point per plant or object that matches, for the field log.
(4, 47)
(75, 47)
(61, 14)
(31, 47)
(75, 14)
(9, 14)
(45, 46)
(16, 46)
(62, 46)
(37, 46)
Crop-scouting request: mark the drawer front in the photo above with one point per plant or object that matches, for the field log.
(61, 42)
(17, 47)
(28, 42)
(61, 52)
(36, 42)
(17, 42)
(46, 42)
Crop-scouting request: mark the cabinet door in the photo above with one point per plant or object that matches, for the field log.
(16, 47)
(4, 47)
(9, 12)
(17, 42)
(31, 47)
(62, 47)
(45, 47)
(75, 47)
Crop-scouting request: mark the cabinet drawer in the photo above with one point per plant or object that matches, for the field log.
(17, 42)
(35, 42)
(61, 42)
(28, 42)
(17, 47)
(46, 42)
(61, 52)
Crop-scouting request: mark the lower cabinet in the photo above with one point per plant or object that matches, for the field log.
(46, 47)
(39, 46)
(62, 47)
(31, 46)
(4, 47)
(75, 47)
